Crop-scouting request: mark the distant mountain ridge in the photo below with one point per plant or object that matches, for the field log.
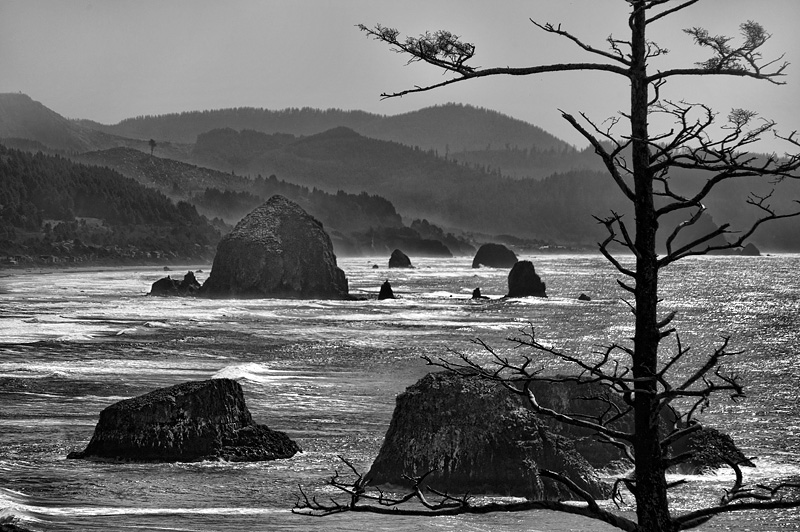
(23, 118)
(461, 185)
(449, 127)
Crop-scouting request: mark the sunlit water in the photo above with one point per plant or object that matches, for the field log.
(327, 373)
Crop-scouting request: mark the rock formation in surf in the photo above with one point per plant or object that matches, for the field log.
(523, 281)
(189, 422)
(386, 291)
(494, 256)
(278, 250)
(399, 259)
(479, 438)
(167, 286)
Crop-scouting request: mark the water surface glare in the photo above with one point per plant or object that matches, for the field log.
(327, 373)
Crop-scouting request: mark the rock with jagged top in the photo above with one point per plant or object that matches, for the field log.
(523, 281)
(278, 250)
(167, 286)
(188, 422)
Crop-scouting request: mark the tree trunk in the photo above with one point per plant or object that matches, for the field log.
(651, 490)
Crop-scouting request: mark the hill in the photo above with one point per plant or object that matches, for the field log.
(445, 128)
(23, 118)
(358, 223)
(230, 196)
(417, 182)
(53, 207)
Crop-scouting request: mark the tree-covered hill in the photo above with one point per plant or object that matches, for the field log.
(23, 118)
(456, 127)
(421, 184)
(557, 207)
(230, 196)
(53, 207)
(186, 126)
(444, 128)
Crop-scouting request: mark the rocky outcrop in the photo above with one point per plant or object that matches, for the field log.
(476, 294)
(479, 439)
(399, 260)
(523, 281)
(278, 250)
(167, 286)
(750, 250)
(494, 256)
(584, 297)
(193, 421)
(386, 291)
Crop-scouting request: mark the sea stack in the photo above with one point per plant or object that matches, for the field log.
(523, 281)
(478, 438)
(278, 250)
(188, 422)
(399, 260)
(494, 256)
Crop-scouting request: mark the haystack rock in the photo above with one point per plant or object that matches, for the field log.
(278, 250)
(523, 281)
(494, 256)
(399, 260)
(480, 439)
(189, 422)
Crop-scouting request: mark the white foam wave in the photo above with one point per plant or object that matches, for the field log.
(252, 371)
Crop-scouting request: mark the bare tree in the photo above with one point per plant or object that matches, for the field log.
(639, 163)
(153, 145)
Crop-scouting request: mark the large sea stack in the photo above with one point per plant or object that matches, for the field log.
(479, 439)
(399, 260)
(278, 250)
(494, 256)
(523, 281)
(193, 421)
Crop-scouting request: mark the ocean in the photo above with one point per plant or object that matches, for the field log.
(327, 373)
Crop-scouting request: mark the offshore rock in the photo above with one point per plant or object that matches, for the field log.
(386, 291)
(476, 294)
(523, 281)
(479, 438)
(193, 421)
(494, 256)
(750, 250)
(167, 286)
(399, 260)
(278, 250)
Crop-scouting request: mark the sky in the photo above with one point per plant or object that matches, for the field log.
(107, 60)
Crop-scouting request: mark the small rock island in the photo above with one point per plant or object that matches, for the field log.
(188, 422)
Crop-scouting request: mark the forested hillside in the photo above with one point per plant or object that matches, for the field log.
(557, 207)
(359, 223)
(422, 185)
(461, 168)
(444, 128)
(53, 207)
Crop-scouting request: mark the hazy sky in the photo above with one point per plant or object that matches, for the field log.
(107, 60)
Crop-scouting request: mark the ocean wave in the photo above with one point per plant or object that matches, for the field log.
(254, 372)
